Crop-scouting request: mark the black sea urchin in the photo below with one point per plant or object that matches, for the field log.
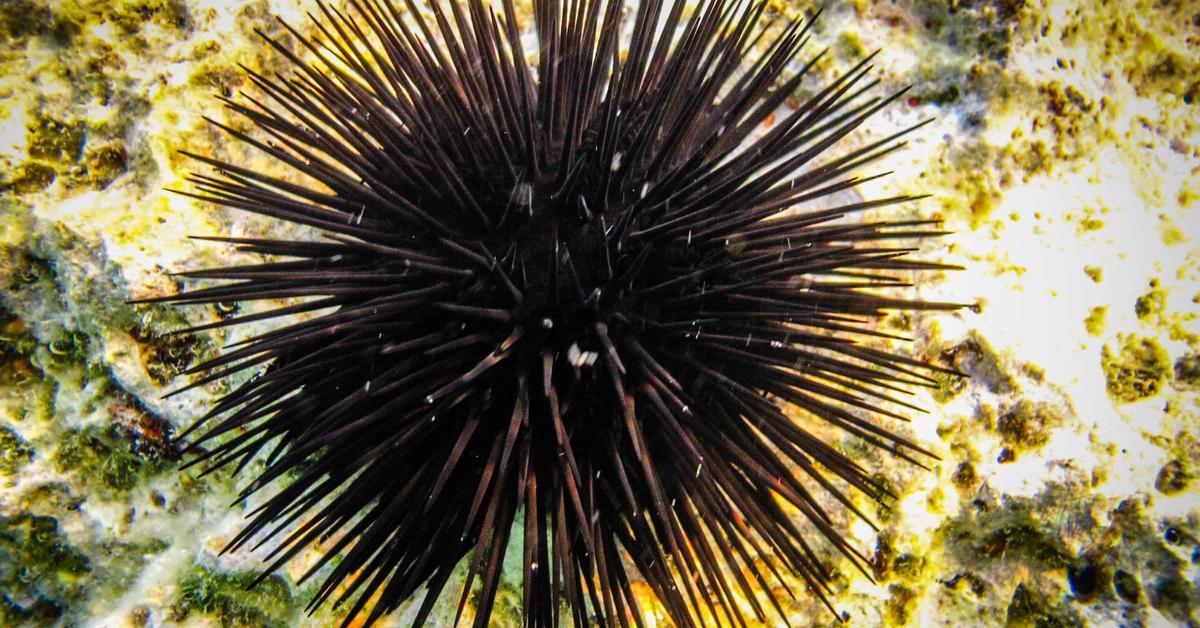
(570, 294)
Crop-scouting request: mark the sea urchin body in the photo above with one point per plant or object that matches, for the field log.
(564, 299)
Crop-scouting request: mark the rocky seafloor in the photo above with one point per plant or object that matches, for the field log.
(1064, 156)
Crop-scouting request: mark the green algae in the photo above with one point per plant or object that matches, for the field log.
(101, 164)
(56, 141)
(228, 598)
(1030, 609)
(1149, 307)
(1015, 532)
(24, 18)
(104, 459)
(1187, 372)
(900, 604)
(1095, 321)
(1137, 370)
(965, 476)
(41, 572)
(30, 177)
(164, 355)
(15, 452)
(1173, 478)
(1027, 424)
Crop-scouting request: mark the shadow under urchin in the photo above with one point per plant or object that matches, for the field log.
(573, 292)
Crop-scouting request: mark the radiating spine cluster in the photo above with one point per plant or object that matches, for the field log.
(574, 294)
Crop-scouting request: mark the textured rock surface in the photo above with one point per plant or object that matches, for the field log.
(1064, 155)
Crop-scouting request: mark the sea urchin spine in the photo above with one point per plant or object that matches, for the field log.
(572, 293)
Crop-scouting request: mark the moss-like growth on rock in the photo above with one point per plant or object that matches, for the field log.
(225, 597)
(1014, 532)
(900, 604)
(1027, 424)
(1136, 370)
(1150, 305)
(1187, 372)
(166, 356)
(104, 459)
(1173, 478)
(965, 476)
(57, 142)
(104, 163)
(41, 573)
(15, 452)
(23, 18)
(30, 177)
(1029, 609)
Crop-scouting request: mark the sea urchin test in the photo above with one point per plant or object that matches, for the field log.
(568, 285)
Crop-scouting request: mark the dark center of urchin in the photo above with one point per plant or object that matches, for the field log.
(565, 304)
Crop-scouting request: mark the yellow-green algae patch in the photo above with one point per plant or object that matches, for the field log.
(1094, 323)
(41, 573)
(1137, 368)
(228, 598)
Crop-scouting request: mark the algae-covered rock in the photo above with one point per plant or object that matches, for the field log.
(1173, 478)
(1187, 372)
(1029, 610)
(103, 458)
(1136, 369)
(41, 573)
(14, 452)
(228, 598)
(976, 357)
(1027, 423)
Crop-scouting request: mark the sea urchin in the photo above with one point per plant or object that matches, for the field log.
(564, 299)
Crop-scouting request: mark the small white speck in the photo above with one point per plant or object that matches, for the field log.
(616, 160)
